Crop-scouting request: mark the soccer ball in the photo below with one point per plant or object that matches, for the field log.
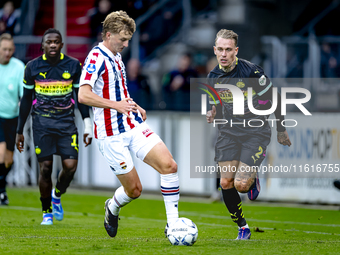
(182, 232)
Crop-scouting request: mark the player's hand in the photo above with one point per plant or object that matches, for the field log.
(19, 141)
(125, 106)
(211, 114)
(142, 112)
(283, 138)
(87, 139)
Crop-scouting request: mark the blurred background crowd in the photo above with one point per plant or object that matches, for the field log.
(296, 42)
(174, 39)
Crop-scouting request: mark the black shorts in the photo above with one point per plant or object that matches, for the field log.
(250, 150)
(53, 140)
(8, 131)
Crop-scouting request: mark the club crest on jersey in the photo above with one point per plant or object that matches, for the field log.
(91, 68)
(66, 75)
(240, 84)
(123, 165)
(262, 80)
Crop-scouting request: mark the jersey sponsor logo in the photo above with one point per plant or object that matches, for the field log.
(66, 75)
(53, 88)
(262, 80)
(91, 68)
(147, 132)
(43, 74)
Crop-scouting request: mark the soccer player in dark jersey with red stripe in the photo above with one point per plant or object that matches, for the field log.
(51, 89)
(240, 147)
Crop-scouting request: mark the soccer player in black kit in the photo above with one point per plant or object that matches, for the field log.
(51, 89)
(240, 147)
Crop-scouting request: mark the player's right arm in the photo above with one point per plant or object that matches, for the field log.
(93, 69)
(216, 107)
(25, 107)
(86, 96)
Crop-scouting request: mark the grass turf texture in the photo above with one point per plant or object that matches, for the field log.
(286, 230)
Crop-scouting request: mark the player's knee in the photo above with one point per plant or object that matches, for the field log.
(70, 166)
(135, 191)
(243, 186)
(169, 167)
(46, 170)
(227, 183)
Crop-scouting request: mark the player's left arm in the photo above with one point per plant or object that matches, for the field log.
(264, 88)
(84, 110)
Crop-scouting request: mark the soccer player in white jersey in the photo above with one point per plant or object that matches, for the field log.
(119, 125)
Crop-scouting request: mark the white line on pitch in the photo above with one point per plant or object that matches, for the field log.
(194, 214)
(257, 220)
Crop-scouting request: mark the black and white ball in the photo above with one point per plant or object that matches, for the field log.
(182, 232)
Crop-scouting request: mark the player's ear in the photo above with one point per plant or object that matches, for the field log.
(61, 45)
(214, 49)
(236, 51)
(107, 36)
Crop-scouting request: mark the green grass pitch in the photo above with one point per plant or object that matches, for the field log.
(280, 229)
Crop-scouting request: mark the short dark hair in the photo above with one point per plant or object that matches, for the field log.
(50, 31)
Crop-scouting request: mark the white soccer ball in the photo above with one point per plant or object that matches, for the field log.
(182, 232)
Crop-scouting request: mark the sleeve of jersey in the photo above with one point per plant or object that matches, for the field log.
(21, 73)
(28, 79)
(94, 66)
(260, 82)
(76, 77)
(210, 91)
(213, 98)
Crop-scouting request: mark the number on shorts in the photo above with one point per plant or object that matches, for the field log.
(74, 142)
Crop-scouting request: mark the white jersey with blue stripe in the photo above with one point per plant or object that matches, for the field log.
(105, 73)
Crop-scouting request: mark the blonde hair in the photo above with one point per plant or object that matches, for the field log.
(227, 34)
(116, 22)
(6, 36)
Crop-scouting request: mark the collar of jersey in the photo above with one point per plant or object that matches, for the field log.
(221, 66)
(107, 51)
(61, 56)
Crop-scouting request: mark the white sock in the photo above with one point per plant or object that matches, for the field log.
(54, 195)
(245, 226)
(170, 192)
(118, 200)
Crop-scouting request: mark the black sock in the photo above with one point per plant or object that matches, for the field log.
(60, 189)
(233, 202)
(46, 204)
(63, 182)
(3, 174)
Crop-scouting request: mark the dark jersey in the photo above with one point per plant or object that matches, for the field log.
(53, 86)
(244, 75)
